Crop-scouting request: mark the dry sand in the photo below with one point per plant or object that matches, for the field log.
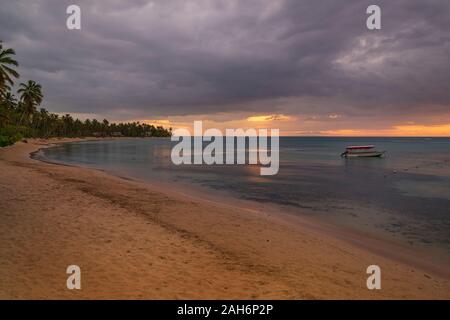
(132, 240)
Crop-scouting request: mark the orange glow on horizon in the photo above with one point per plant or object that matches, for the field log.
(432, 130)
(288, 127)
(398, 131)
(160, 122)
(269, 117)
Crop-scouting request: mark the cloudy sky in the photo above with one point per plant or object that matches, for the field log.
(307, 67)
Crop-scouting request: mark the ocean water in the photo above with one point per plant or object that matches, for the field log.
(404, 196)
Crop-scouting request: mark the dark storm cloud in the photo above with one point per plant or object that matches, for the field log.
(140, 58)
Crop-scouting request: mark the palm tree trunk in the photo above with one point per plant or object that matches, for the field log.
(21, 118)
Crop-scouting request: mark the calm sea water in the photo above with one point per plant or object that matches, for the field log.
(403, 196)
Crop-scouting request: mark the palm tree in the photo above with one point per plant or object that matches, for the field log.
(7, 105)
(44, 116)
(30, 97)
(67, 124)
(6, 70)
(9, 101)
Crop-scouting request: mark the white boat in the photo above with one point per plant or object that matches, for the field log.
(361, 151)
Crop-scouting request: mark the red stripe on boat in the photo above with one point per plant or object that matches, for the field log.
(360, 147)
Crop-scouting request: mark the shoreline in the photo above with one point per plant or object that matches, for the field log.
(254, 255)
(398, 251)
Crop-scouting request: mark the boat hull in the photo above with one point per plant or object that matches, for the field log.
(371, 154)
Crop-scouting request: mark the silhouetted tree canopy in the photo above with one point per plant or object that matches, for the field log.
(20, 118)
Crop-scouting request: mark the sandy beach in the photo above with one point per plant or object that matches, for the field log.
(134, 240)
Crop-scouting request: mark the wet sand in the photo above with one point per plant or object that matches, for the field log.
(137, 240)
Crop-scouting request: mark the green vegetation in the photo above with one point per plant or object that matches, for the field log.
(19, 118)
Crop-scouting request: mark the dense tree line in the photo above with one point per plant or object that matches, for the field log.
(20, 117)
